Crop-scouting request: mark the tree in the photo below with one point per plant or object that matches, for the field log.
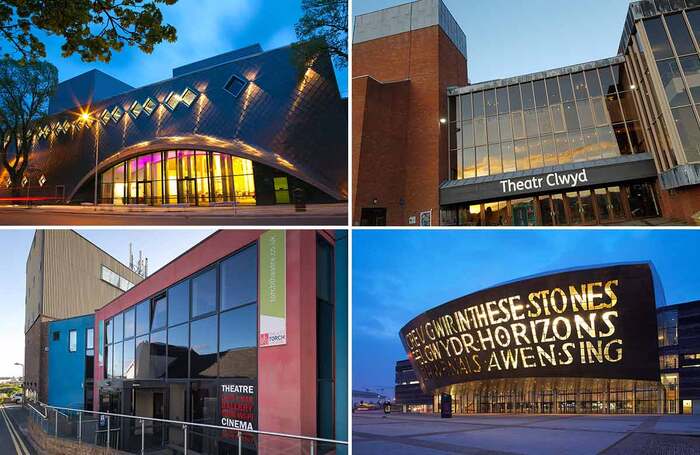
(323, 28)
(25, 89)
(91, 28)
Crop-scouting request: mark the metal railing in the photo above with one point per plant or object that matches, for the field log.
(137, 434)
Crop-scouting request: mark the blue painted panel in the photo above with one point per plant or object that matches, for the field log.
(67, 369)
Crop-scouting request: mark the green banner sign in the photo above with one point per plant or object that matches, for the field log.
(273, 288)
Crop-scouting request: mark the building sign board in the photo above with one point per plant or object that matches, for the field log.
(593, 323)
(238, 400)
(273, 289)
(552, 180)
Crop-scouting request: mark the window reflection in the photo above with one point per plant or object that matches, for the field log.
(680, 34)
(204, 293)
(203, 348)
(238, 343)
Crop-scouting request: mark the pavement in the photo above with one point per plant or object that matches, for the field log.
(13, 427)
(274, 215)
(406, 434)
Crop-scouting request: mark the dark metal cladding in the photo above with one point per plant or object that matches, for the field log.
(292, 121)
(628, 336)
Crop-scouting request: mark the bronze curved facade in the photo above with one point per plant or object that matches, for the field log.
(290, 122)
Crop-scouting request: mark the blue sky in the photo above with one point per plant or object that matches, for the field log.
(399, 274)
(508, 37)
(204, 28)
(160, 246)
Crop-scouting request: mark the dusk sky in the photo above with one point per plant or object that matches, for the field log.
(508, 38)
(204, 28)
(398, 274)
(160, 246)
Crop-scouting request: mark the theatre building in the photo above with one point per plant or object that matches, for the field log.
(246, 330)
(591, 143)
(575, 341)
(247, 127)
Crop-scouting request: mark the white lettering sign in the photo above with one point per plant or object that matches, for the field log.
(554, 179)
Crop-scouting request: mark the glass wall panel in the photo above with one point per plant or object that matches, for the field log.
(203, 348)
(142, 318)
(490, 99)
(478, 104)
(558, 209)
(586, 202)
(601, 199)
(468, 134)
(142, 358)
(689, 132)
(495, 166)
(622, 141)
(508, 155)
(553, 91)
(593, 83)
(571, 202)
(563, 150)
(129, 365)
(612, 103)
(492, 130)
(531, 123)
(518, 125)
(238, 343)
(528, 96)
(158, 313)
(578, 152)
(694, 19)
(591, 144)
(658, 39)
(546, 211)
(607, 81)
(634, 129)
(118, 359)
(571, 117)
(549, 151)
(579, 81)
(482, 161)
(178, 348)
(679, 34)
(157, 363)
(505, 128)
(691, 70)
(118, 323)
(540, 93)
(544, 120)
(239, 278)
(558, 118)
(535, 151)
(524, 213)
(469, 163)
(204, 293)
(109, 332)
(496, 213)
(502, 99)
(480, 131)
(642, 201)
(600, 112)
(673, 83)
(129, 323)
(466, 102)
(514, 98)
(567, 91)
(585, 114)
(607, 142)
(522, 160)
(179, 303)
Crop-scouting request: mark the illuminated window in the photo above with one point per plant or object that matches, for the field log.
(106, 115)
(188, 96)
(668, 362)
(149, 106)
(235, 85)
(135, 109)
(117, 113)
(171, 100)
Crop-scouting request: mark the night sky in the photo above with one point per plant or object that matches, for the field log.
(398, 274)
(204, 28)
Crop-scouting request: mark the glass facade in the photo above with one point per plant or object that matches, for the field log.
(179, 177)
(555, 396)
(178, 346)
(573, 117)
(583, 207)
(674, 47)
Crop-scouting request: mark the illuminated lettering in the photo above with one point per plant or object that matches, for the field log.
(611, 293)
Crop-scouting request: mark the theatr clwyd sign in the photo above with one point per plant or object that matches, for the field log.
(594, 323)
(551, 180)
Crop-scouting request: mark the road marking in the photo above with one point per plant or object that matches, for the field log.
(20, 448)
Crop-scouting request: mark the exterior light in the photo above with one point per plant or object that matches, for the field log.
(188, 96)
(135, 109)
(633, 87)
(172, 100)
(443, 120)
(24, 182)
(106, 115)
(42, 180)
(85, 117)
(117, 113)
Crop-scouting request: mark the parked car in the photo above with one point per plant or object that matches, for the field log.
(17, 398)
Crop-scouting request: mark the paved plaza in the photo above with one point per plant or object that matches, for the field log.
(406, 434)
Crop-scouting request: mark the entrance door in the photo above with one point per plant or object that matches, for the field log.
(373, 217)
(281, 190)
(187, 193)
(151, 403)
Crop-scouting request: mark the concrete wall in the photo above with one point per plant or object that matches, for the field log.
(36, 360)
(66, 379)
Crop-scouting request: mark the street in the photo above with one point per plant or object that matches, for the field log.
(13, 418)
(315, 215)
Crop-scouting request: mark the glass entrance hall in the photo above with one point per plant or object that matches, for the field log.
(591, 206)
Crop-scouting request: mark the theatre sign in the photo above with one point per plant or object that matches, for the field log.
(592, 323)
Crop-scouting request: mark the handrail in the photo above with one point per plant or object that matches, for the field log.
(203, 425)
(37, 411)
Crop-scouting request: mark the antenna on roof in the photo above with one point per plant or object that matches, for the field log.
(131, 257)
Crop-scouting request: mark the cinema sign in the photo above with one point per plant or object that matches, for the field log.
(594, 323)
